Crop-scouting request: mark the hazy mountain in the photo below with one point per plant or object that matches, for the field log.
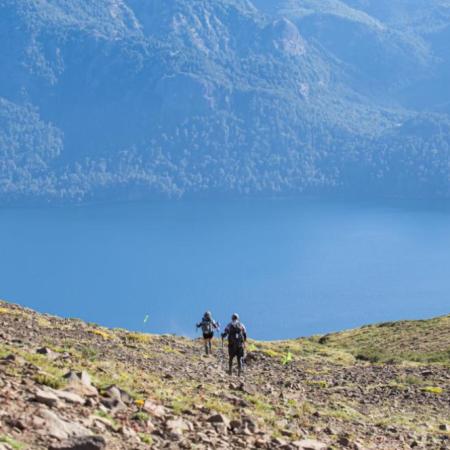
(136, 98)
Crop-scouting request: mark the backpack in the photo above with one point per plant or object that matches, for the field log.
(236, 335)
(207, 326)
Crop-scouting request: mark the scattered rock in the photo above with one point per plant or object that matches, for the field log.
(177, 427)
(46, 398)
(154, 409)
(80, 383)
(50, 354)
(5, 447)
(69, 397)
(308, 444)
(219, 418)
(81, 443)
(54, 426)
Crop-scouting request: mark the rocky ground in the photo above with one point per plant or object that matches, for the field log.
(66, 384)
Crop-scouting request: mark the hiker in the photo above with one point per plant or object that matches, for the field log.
(208, 326)
(237, 336)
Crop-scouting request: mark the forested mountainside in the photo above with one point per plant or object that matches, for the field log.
(133, 98)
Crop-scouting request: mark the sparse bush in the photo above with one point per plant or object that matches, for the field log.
(141, 416)
(369, 355)
(146, 438)
(48, 380)
(89, 353)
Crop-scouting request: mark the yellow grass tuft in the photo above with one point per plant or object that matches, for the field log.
(105, 335)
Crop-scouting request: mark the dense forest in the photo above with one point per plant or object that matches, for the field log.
(133, 99)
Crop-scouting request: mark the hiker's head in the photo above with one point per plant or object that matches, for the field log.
(235, 317)
(207, 315)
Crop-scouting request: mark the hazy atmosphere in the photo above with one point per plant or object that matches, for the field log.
(137, 99)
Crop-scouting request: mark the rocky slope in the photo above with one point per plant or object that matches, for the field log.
(66, 384)
(124, 98)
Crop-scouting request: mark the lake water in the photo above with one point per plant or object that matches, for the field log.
(290, 268)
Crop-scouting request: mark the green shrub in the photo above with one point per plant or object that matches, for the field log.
(48, 380)
(141, 416)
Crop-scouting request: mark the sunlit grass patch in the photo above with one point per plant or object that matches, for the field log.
(433, 390)
(49, 380)
(342, 412)
(181, 403)
(318, 383)
(11, 311)
(102, 333)
(146, 438)
(16, 445)
(138, 338)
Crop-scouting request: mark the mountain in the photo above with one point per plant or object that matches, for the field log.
(67, 384)
(130, 99)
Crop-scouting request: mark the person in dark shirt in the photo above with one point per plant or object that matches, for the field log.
(237, 336)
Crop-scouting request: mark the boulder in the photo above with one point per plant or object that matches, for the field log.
(45, 351)
(154, 409)
(113, 404)
(177, 427)
(46, 397)
(52, 425)
(80, 383)
(81, 443)
(69, 397)
(119, 394)
(219, 419)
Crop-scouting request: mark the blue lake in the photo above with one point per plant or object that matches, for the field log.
(290, 268)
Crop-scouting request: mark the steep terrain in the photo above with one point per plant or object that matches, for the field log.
(124, 98)
(66, 384)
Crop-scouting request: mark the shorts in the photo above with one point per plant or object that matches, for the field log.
(208, 335)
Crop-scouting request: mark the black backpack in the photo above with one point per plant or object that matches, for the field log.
(236, 335)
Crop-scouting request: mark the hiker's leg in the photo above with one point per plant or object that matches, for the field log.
(239, 361)
(206, 345)
(230, 360)
(210, 345)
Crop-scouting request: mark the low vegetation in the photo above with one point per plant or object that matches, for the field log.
(375, 386)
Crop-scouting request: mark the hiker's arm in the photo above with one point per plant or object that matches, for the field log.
(226, 331)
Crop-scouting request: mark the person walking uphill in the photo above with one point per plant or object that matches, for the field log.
(237, 336)
(208, 326)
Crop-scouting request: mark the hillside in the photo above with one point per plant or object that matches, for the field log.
(66, 384)
(129, 99)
